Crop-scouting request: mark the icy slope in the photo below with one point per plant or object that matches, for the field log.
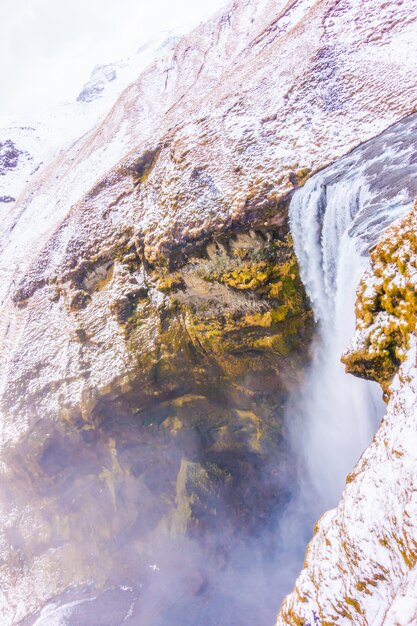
(27, 145)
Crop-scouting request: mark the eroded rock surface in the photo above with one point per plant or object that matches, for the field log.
(181, 445)
(208, 155)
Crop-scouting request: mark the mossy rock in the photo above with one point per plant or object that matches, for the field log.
(386, 307)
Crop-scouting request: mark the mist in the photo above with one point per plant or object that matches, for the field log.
(127, 526)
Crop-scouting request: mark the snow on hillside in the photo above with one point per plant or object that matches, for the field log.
(26, 145)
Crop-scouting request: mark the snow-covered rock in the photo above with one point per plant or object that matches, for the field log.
(212, 135)
(29, 145)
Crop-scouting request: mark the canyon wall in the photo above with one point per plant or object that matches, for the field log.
(210, 156)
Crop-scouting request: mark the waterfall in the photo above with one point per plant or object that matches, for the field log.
(334, 219)
(338, 412)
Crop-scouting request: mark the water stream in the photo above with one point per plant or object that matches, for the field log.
(336, 414)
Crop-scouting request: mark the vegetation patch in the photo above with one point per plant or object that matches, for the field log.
(386, 308)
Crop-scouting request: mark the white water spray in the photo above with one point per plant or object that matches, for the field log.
(335, 218)
(339, 412)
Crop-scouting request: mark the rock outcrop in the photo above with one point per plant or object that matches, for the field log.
(151, 300)
(386, 306)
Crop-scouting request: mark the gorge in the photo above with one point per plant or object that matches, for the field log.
(178, 286)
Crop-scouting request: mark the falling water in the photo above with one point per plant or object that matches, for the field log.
(334, 219)
(339, 412)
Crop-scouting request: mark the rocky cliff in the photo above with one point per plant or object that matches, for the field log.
(153, 319)
(210, 156)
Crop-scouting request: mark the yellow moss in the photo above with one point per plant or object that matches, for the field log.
(264, 320)
(255, 420)
(249, 276)
(300, 176)
(186, 399)
(169, 282)
(386, 307)
(355, 604)
(271, 317)
(173, 424)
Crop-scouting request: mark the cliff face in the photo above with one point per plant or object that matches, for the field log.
(360, 565)
(151, 300)
(210, 155)
(30, 143)
(386, 307)
(244, 144)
